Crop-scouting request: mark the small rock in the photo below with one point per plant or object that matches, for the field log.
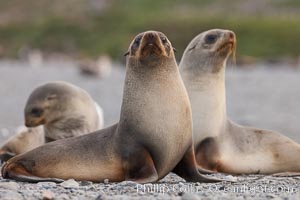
(10, 195)
(190, 196)
(63, 197)
(128, 183)
(100, 197)
(106, 181)
(181, 184)
(46, 184)
(9, 185)
(231, 178)
(71, 183)
(47, 195)
(86, 183)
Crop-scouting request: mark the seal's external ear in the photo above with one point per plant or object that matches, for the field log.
(174, 50)
(51, 97)
(126, 54)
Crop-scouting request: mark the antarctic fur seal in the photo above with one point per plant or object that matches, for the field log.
(24, 140)
(220, 144)
(152, 138)
(62, 109)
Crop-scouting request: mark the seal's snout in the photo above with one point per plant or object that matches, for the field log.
(231, 37)
(232, 41)
(33, 122)
(151, 45)
(151, 38)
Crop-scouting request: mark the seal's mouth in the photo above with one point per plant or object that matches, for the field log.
(227, 46)
(151, 49)
(34, 122)
(151, 45)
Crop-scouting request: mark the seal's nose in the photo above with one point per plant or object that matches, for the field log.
(150, 36)
(231, 35)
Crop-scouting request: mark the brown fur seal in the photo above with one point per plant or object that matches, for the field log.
(220, 144)
(152, 138)
(63, 109)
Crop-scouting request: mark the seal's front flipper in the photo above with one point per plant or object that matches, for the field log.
(18, 172)
(140, 168)
(187, 169)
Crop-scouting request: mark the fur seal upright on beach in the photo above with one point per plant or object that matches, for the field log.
(62, 109)
(220, 144)
(152, 138)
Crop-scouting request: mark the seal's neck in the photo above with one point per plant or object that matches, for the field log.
(206, 91)
(153, 97)
(67, 127)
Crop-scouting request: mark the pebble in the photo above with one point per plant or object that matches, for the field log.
(73, 190)
(106, 181)
(231, 178)
(63, 197)
(100, 197)
(86, 183)
(46, 184)
(9, 185)
(47, 195)
(190, 196)
(71, 183)
(10, 195)
(128, 183)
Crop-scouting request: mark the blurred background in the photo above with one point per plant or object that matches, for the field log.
(266, 29)
(83, 42)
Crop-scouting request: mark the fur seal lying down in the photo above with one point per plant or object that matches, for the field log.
(220, 144)
(54, 110)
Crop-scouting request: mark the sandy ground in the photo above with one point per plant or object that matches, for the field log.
(261, 97)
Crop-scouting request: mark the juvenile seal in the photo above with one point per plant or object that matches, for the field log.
(220, 144)
(64, 110)
(152, 138)
(24, 140)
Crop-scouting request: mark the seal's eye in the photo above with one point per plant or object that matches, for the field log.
(164, 40)
(37, 112)
(137, 40)
(211, 38)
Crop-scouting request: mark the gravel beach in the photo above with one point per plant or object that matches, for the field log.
(258, 96)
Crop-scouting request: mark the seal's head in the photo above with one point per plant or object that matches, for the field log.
(150, 47)
(209, 50)
(46, 103)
